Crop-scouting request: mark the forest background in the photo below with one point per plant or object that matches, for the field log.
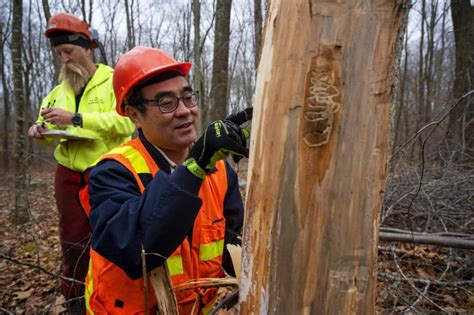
(426, 264)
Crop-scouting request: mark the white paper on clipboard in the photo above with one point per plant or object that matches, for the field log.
(63, 134)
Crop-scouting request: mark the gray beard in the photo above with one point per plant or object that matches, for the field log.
(75, 76)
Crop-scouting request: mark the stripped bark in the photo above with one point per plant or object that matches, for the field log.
(319, 157)
(166, 300)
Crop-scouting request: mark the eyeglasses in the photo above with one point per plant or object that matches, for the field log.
(169, 103)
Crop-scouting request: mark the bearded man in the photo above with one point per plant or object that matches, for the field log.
(83, 105)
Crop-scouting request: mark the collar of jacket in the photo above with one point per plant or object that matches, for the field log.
(159, 159)
(102, 73)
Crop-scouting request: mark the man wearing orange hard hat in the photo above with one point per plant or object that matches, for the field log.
(175, 197)
(81, 111)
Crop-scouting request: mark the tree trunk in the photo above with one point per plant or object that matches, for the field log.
(56, 61)
(220, 66)
(461, 119)
(197, 68)
(403, 72)
(130, 25)
(421, 100)
(21, 178)
(6, 100)
(319, 156)
(87, 15)
(257, 20)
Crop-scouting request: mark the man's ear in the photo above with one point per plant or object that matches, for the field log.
(134, 115)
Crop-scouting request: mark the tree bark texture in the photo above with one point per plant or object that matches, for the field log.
(197, 68)
(220, 68)
(130, 24)
(461, 120)
(20, 151)
(319, 155)
(6, 99)
(56, 61)
(257, 23)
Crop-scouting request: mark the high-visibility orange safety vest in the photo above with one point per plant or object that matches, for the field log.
(110, 291)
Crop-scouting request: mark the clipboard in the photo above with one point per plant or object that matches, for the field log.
(62, 134)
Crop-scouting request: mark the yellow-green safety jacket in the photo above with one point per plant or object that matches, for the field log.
(100, 121)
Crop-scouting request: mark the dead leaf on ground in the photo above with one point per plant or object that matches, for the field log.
(22, 295)
(58, 307)
(425, 274)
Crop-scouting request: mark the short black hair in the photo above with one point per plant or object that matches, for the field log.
(136, 98)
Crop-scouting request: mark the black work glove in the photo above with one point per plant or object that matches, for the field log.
(233, 122)
(220, 139)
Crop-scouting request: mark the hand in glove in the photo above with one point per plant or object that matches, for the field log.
(221, 138)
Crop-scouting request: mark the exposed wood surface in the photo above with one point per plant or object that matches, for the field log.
(319, 152)
(161, 282)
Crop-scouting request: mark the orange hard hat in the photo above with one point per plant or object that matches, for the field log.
(65, 22)
(139, 64)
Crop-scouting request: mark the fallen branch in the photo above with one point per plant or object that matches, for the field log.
(429, 239)
(463, 283)
(448, 234)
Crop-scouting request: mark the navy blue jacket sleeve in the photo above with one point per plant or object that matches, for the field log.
(234, 217)
(122, 219)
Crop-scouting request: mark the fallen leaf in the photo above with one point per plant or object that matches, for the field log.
(58, 307)
(21, 295)
(425, 274)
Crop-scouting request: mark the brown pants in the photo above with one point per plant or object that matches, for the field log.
(74, 230)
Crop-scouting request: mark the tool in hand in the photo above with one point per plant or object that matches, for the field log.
(50, 105)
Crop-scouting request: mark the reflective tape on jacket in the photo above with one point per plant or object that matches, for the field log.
(175, 265)
(211, 250)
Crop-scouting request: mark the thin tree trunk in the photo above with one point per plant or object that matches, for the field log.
(91, 7)
(401, 100)
(220, 68)
(421, 101)
(83, 10)
(257, 4)
(87, 15)
(429, 60)
(319, 155)
(56, 61)
(197, 68)
(6, 100)
(21, 173)
(130, 26)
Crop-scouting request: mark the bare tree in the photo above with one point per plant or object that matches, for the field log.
(257, 4)
(461, 120)
(220, 68)
(110, 10)
(197, 72)
(5, 94)
(21, 174)
(130, 24)
(56, 62)
(87, 16)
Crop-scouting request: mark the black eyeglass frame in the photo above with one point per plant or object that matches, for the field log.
(194, 94)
